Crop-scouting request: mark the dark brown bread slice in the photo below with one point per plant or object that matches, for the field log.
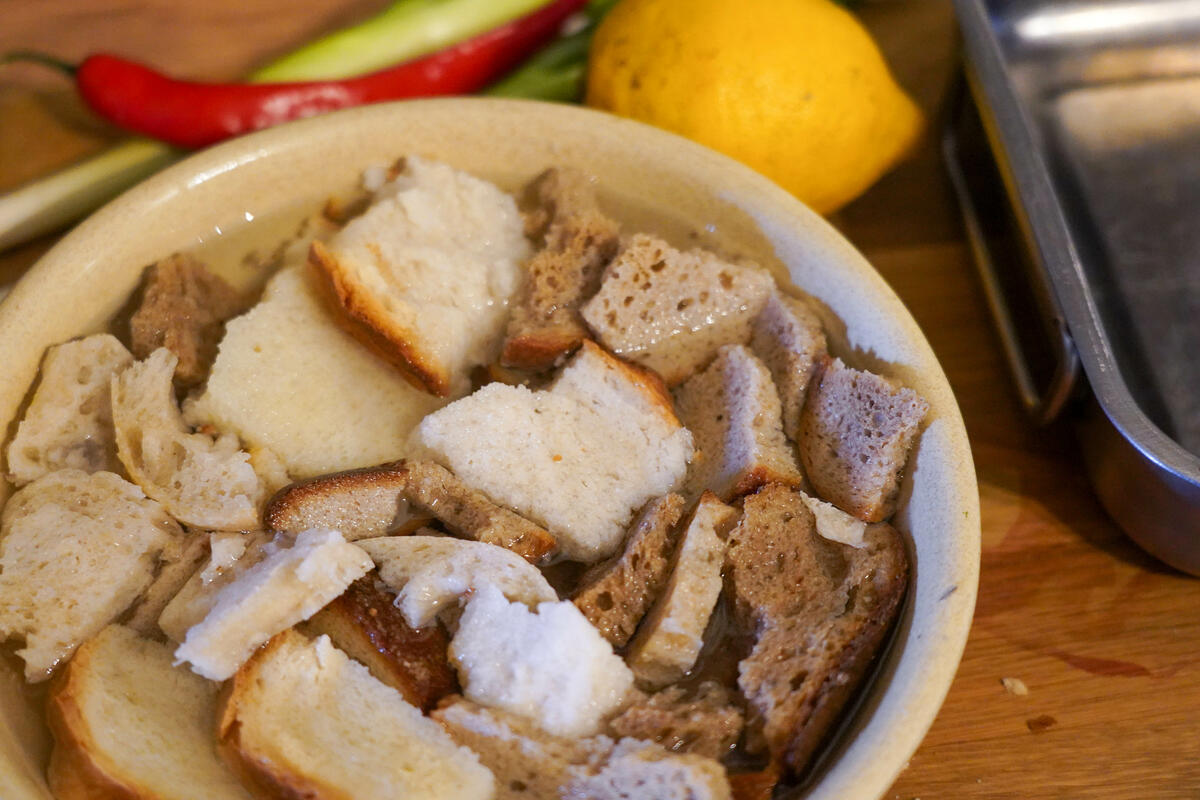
(365, 624)
(706, 723)
(821, 610)
(183, 308)
(578, 240)
(614, 595)
(856, 429)
(359, 503)
(469, 514)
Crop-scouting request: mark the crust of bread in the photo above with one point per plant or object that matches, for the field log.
(368, 322)
(322, 502)
(646, 380)
(541, 349)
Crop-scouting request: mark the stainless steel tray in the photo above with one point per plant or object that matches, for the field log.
(1075, 152)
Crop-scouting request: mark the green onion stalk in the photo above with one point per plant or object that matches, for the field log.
(407, 29)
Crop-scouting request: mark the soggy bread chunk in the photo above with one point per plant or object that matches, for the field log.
(855, 433)
(301, 719)
(550, 666)
(203, 481)
(183, 309)
(183, 557)
(706, 723)
(288, 378)
(431, 573)
(76, 550)
(364, 623)
(360, 503)
(229, 555)
(732, 410)
(577, 240)
(636, 769)
(669, 640)
(788, 337)
(615, 595)
(287, 586)
(426, 273)
(670, 310)
(129, 724)
(578, 458)
(69, 421)
(820, 611)
(835, 524)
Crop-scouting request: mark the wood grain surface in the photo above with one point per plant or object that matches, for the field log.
(1103, 639)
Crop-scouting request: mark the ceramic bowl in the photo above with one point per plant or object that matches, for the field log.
(246, 192)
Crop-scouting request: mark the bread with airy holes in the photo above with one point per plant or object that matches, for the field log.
(704, 721)
(76, 550)
(68, 424)
(670, 310)
(179, 561)
(579, 458)
(637, 769)
(425, 275)
(855, 433)
(302, 719)
(202, 480)
(788, 337)
(360, 503)
(130, 725)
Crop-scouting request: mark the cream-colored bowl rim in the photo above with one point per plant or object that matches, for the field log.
(87, 276)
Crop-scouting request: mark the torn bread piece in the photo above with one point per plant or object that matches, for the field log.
(359, 503)
(835, 524)
(127, 723)
(202, 480)
(76, 550)
(788, 337)
(615, 595)
(670, 310)
(578, 458)
(431, 573)
(705, 721)
(425, 275)
(819, 611)
(288, 378)
(228, 556)
(302, 719)
(733, 411)
(183, 308)
(549, 665)
(855, 433)
(577, 241)
(669, 640)
(288, 586)
(364, 623)
(179, 561)
(68, 424)
(642, 769)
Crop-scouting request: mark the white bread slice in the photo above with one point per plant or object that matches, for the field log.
(286, 587)
(670, 310)
(835, 524)
(128, 724)
(301, 719)
(551, 667)
(229, 555)
(733, 411)
(431, 573)
(669, 640)
(528, 763)
(426, 273)
(288, 378)
(788, 337)
(637, 769)
(68, 424)
(202, 480)
(179, 561)
(578, 458)
(76, 550)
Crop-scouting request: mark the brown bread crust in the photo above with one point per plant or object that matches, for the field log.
(616, 594)
(366, 625)
(820, 610)
(360, 503)
(577, 240)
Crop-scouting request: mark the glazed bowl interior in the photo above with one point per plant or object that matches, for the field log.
(246, 193)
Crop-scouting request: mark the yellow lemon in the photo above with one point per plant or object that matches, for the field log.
(796, 89)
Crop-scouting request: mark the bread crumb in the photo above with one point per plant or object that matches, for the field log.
(1015, 686)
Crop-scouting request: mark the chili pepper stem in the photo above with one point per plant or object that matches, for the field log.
(35, 57)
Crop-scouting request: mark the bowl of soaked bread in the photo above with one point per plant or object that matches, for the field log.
(471, 449)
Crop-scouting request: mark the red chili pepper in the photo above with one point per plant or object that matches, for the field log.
(194, 114)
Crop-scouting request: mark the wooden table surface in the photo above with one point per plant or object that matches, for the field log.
(1104, 638)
